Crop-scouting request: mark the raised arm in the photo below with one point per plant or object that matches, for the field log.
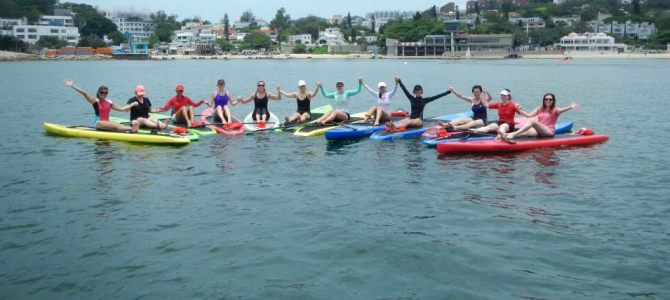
(357, 90)
(247, 99)
(273, 96)
(124, 108)
(485, 100)
(404, 89)
(561, 110)
(392, 92)
(89, 98)
(371, 91)
(290, 95)
(326, 95)
(438, 96)
(525, 114)
(316, 90)
(457, 94)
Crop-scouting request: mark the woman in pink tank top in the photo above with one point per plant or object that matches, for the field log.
(547, 114)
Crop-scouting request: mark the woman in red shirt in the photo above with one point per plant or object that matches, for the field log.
(182, 107)
(506, 110)
(547, 114)
(102, 107)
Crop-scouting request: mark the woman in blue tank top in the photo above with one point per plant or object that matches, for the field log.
(479, 106)
(220, 100)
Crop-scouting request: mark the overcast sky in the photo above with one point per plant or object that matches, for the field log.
(213, 10)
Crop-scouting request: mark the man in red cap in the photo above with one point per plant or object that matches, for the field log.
(182, 107)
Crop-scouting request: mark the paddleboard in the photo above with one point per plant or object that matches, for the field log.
(413, 132)
(316, 113)
(199, 130)
(314, 129)
(189, 135)
(356, 130)
(560, 128)
(521, 144)
(250, 123)
(207, 119)
(91, 132)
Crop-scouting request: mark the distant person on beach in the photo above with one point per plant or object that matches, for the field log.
(382, 111)
(342, 97)
(220, 99)
(478, 104)
(260, 97)
(182, 107)
(102, 107)
(418, 104)
(141, 110)
(547, 114)
(303, 99)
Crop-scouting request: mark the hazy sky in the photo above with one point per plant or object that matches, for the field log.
(213, 10)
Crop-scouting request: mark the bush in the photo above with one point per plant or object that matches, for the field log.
(300, 48)
(323, 49)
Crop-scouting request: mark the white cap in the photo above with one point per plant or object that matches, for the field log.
(302, 83)
(504, 92)
(381, 84)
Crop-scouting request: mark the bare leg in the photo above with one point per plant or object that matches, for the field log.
(502, 132)
(107, 125)
(227, 115)
(191, 113)
(305, 117)
(489, 128)
(324, 117)
(370, 113)
(472, 124)
(532, 128)
(381, 115)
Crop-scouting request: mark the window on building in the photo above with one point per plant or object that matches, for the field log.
(32, 29)
(32, 37)
(21, 36)
(20, 30)
(54, 30)
(62, 31)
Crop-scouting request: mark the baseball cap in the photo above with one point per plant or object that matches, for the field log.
(381, 84)
(302, 83)
(504, 92)
(179, 88)
(140, 90)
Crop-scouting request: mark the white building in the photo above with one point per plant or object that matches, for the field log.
(370, 39)
(303, 38)
(629, 29)
(529, 23)
(61, 27)
(557, 2)
(206, 37)
(590, 42)
(185, 38)
(7, 25)
(134, 29)
(336, 19)
(567, 21)
(331, 36)
(32, 33)
(125, 13)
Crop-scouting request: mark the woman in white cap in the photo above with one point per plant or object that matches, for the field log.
(381, 111)
(506, 110)
(141, 110)
(303, 98)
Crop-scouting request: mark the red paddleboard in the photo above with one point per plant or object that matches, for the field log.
(518, 122)
(521, 144)
(206, 118)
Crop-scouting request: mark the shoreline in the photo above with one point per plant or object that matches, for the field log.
(16, 56)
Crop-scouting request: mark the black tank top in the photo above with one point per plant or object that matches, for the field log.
(261, 102)
(303, 104)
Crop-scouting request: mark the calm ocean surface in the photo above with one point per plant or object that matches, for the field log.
(274, 216)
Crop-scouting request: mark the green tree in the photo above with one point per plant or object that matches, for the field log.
(92, 40)
(349, 20)
(50, 42)
(636, 7)
(506, 8)
(11, 43)
(491, 5)
(374, 23)
(256, 40)
(89, 20)
(225, 45)
(117, 37)
(309, 24)
(248, 17)
(477, 10)
(300, 48)
(164, 25)
(281, 23)
(9, 9)
(226, 27)
(662, 37)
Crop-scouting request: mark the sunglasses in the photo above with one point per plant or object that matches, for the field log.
(261, 85)
(548, 99)
(103, 93)
(339, 86)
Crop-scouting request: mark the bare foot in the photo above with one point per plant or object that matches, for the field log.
(286, 120)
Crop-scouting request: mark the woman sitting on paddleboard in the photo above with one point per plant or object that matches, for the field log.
(506, 110)
(260, 97)
(303, 98)
(381, 111)
(220, 99)
(182, 107)
(102, 107)
(141, 110)
(478, 105)
(341, 111)
(547, 114)
(418, 103)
